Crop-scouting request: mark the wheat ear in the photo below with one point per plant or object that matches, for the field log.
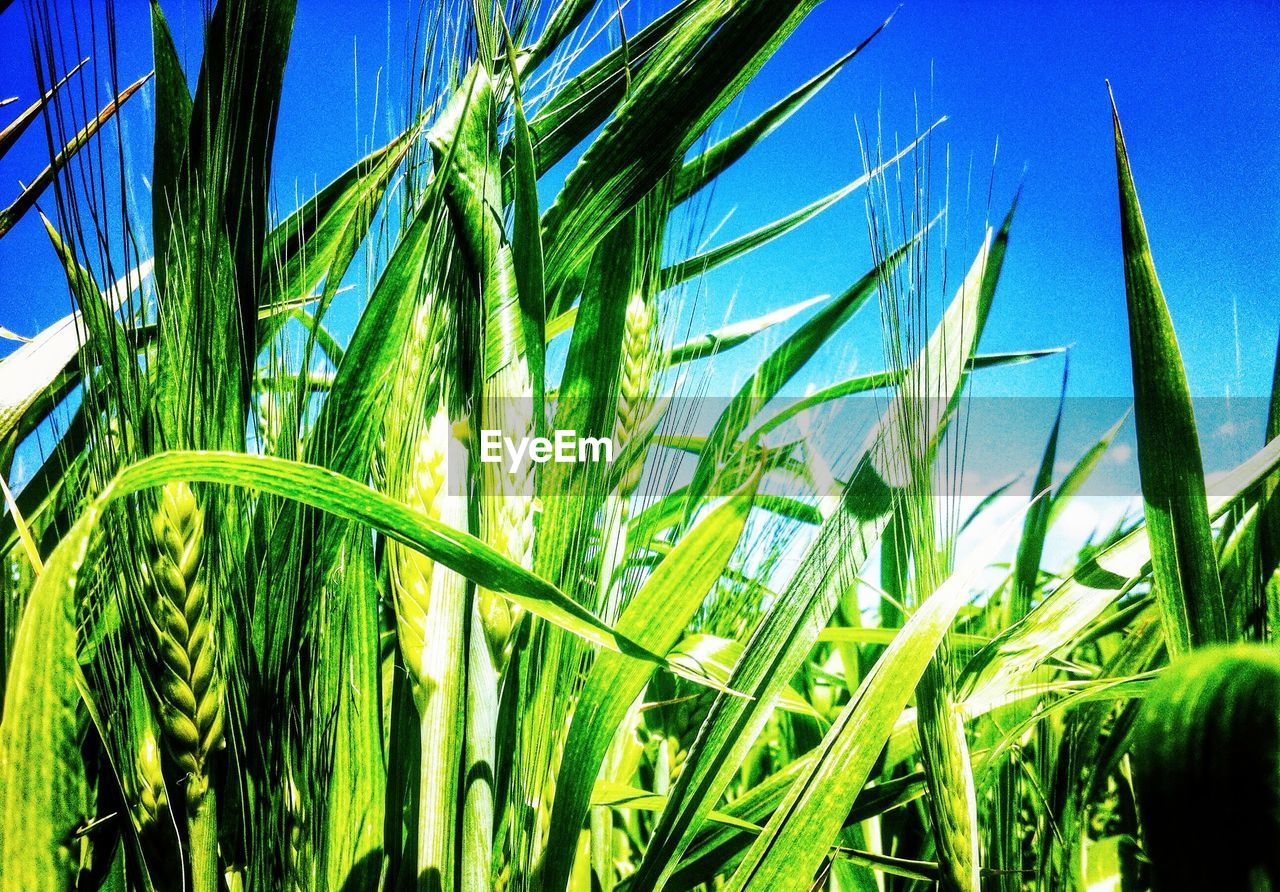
(189, 690)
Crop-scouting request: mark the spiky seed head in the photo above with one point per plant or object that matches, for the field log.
(413, 572)
(151, 796)
(188, 687)
(640, 364)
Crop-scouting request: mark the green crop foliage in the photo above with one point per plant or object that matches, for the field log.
(268, 621)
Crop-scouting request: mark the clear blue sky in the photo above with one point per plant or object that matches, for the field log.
(1197, 86)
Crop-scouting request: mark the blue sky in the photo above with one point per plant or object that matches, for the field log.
(1197, 88)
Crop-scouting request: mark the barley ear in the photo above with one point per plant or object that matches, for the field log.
(641, 362)
(191, 713)
(151, 796)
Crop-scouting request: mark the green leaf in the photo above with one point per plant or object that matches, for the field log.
(1081, 470)
(1206, 734)
(1069, 609)
(342, 497)
(1026, 564)
(588, 396)
(701, 170)
(319, 240)
(567, 16)
(771, 657)
(1184, 564)
(526, 251)
(345, 435)
(42, 777)
(730, 336)
(885, 635)
(211, 271)
(772, 374)
(172, 128)
(715, 658)
(791, 848)
(615, 795)
(878, 380)
(674, 98)
(347, 684)
(45, 363)
(107, 338)
(27, 198)
(587, 99)
(785, 636)
(710, 259)
(721, 847)
(655, 619)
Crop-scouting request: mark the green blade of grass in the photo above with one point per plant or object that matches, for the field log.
(701, 170)
(216, 215)
(172, 128)
(708, 260)
(791, 848)
(722, 847)
(1069, 609)
(527, 257)
(353, 501)
(1081, 470)
(784, 637)
(772, 374)
(1184, 563)
(1026, 564)
(344, 436)
(319, 241)
(585, 101)
(347, 682)
(566, 17)
(42, 777)
(656, 619)
(27, 198)
(879, 380)
(730, 336)
(689, 82)
(771, 657)
(111, 350)
(42, 364)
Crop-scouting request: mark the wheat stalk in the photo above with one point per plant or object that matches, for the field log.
(430, 601)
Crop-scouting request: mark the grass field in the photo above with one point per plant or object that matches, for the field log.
(270, 620)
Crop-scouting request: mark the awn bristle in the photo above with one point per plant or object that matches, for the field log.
(913, 428)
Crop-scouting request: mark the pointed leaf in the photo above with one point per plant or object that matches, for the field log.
(1184, 562)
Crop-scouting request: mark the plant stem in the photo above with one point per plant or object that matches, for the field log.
(441, 706)
(480, 767)
(202, 828)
